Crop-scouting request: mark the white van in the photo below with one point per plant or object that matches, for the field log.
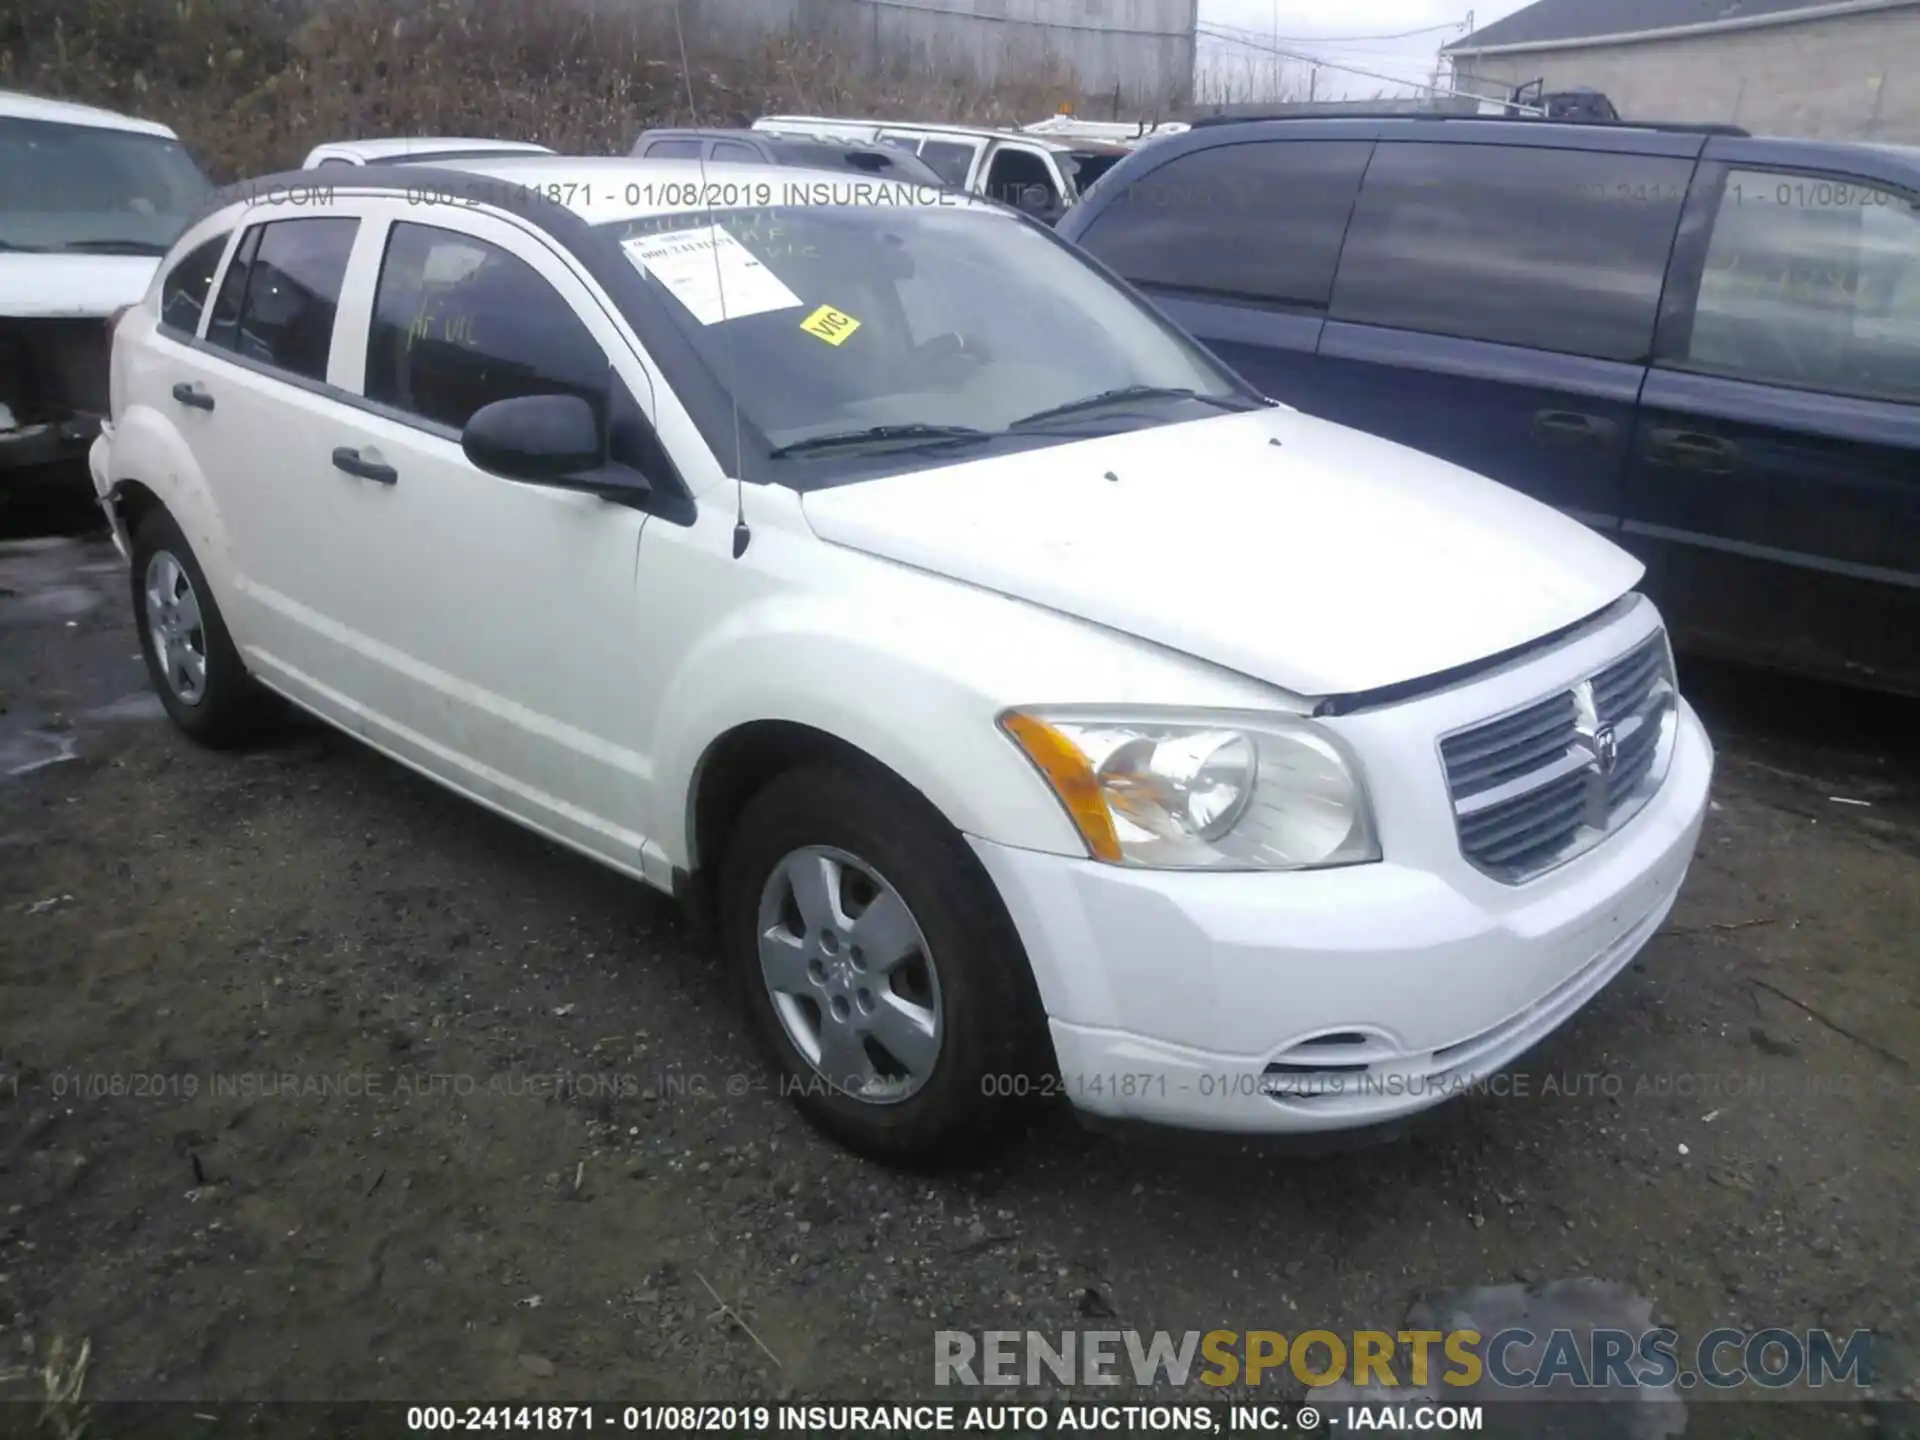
(89, 202)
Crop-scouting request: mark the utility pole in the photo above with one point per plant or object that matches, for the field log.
(1313, 84)
(1276, 51)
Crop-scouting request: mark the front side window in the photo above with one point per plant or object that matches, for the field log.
(1811, 283)
(732, 152)
(82, 190)
(459, 323)
(1013, 170)
(1259, 221)
(288, 294)
(951, 160)
(1561, 250)
(826, 320)
(674, 150)
(183, 295)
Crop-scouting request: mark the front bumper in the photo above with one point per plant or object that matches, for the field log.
(1376, 990)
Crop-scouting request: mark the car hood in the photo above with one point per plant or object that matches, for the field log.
(47, 287)
(1299, 552)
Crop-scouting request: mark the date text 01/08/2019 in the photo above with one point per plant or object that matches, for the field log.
(462, 1419)
(676, 194)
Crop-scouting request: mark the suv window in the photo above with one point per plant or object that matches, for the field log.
(674, 150)
(1259, 221)
(1561, 250)
(288, 291)
(1811, 283)
(1012, 170)
(949, 159)
(459, 323)
(733, 152)
(183, 295)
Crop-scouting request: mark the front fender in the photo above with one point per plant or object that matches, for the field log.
(876, 688)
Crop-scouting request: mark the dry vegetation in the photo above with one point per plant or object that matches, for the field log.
(251, 85)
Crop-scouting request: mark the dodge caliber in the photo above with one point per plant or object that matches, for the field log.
(1026, 704)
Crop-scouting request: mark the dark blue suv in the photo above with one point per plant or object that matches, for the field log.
(1703, 343)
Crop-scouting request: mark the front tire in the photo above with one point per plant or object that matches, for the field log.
(190, 657)
(878, 967)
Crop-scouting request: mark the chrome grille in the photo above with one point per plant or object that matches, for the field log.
(1535, 787)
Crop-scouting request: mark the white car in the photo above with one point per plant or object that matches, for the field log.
(1040, 174)
(413, 150)
(89, 202)
(1036, 709)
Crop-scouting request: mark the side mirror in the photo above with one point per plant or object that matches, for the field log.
(547, 440)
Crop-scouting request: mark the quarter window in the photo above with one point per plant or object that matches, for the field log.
(1561, 250)
(183, 296)
(282, 292)
(1258, 221)
(459, 323)
(1811, 283)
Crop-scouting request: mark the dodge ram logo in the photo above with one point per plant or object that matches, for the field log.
(1606, 749)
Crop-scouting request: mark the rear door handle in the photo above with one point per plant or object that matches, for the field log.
(192, 395)
(1572, 427)
(1692, 450)
(350, 461)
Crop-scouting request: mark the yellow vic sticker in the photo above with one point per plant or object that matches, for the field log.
(831, 325)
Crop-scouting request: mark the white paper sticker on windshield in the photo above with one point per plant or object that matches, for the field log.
(711, 273)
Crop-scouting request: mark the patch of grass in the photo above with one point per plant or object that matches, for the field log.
(61, 1380)
(252, 85)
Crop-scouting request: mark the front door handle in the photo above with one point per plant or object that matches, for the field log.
(1692, 450)
(193, 396)
(1573, 427)
(350, 461)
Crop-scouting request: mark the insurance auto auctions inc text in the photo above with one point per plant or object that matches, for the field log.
(1512, 1359)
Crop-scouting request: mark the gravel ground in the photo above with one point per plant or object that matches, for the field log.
(316, 1081)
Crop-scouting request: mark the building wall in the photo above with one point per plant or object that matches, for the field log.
(1852, 77)
(1144, 48)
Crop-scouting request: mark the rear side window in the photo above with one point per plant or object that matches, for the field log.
(278, 306)
(949, 159)
(733, 152)
(1259, 221)
(459, 323)
(1811, 283)
(1560, 250)
(184, 293)
(674, 150)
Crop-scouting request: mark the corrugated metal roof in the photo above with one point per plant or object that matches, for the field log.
(1547, 21)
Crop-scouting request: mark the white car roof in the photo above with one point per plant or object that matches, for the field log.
(821, 124)
(18, 106)
(604, 189)
(391, 147)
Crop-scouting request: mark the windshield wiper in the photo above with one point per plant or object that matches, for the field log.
(878, 434)
(1124, 393)
(115, 247)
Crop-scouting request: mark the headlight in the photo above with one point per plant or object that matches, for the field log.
(1201, 791)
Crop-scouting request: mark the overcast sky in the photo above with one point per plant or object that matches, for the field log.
(1344, 34)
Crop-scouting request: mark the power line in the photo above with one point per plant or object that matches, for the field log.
(1339, 39)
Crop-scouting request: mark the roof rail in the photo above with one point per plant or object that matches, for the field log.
(1686, 127)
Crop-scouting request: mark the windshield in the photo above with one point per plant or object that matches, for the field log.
(952, 316)
(82, 189)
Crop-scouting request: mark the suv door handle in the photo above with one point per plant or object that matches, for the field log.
(1573, 427)
(1692, 450)
(350, 461)
(192, 395)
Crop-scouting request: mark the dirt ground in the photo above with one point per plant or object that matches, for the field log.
(316, 1081)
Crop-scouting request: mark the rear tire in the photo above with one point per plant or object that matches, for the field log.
(878, 967)
(190, 657)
